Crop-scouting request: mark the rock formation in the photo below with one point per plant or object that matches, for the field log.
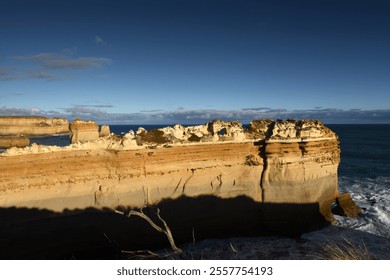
(276, 162)
(13, 141)
(104, 131)
(274, 175)
(33, 126)
(81, 131)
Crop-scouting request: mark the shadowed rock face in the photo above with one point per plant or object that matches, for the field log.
(285, 169)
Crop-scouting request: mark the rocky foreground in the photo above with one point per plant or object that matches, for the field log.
(208, 180)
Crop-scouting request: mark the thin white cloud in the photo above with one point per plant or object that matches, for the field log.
(85, 112)
(4, 71)
(64, 61)
(256, 109)
(99, 40)
(10, 95)
(44, 76)
(93, 106)
(6, 111)
(151, 111)
(7, 74)
(50, 66)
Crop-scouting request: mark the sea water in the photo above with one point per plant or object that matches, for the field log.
(364, 172)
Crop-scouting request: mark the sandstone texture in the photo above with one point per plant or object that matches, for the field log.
(104, 131)
(13, 141)
(81, 131)
(33, 126)
(292, 162)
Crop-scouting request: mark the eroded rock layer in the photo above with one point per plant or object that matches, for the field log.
(33, 126)
(81, 131)
(275, 162)
(13, 141)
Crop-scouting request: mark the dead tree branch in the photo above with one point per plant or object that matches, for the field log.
(166, 230)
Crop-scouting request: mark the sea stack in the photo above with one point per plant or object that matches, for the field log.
(104, 131)
(83, 131)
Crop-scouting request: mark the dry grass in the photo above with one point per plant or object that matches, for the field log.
(346, 250)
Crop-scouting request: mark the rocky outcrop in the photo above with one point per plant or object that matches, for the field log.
(81, 131)
(13, 141)
(104, 131)
(214, 131)
(33, 126)
(345, 206)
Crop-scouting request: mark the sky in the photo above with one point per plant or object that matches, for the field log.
(190, 61)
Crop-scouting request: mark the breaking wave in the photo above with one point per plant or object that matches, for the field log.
(373, 196)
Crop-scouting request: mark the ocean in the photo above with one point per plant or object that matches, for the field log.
(364, 172)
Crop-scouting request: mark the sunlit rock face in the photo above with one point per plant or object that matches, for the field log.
(104, 131)
(33, 126)
(269, 162)
(300, 164)
(83, 131)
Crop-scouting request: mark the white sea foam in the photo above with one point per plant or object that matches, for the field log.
(373, 195)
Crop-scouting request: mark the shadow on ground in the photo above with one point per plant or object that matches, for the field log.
(102, 234)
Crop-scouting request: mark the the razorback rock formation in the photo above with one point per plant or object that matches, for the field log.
(272, 161)
(217, 177)
(33, 126)
(81, 131)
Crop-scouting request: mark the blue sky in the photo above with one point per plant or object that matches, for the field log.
(189, 61)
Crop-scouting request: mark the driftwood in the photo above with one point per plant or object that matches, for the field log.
(166, 230)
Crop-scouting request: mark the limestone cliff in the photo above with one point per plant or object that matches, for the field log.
(270, 162)
(33, 126)
(217, 179)
(300, 164)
